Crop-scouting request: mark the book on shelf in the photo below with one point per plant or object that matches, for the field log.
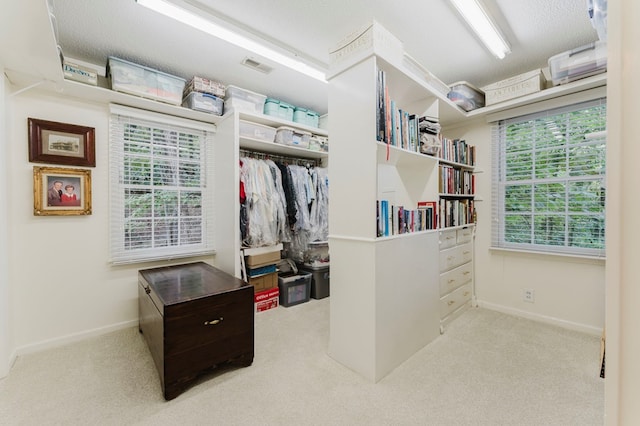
(397, 219)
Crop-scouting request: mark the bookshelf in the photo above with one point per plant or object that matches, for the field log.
(384, 290)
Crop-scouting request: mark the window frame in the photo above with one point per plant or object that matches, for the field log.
(500, 183)
(200, 166)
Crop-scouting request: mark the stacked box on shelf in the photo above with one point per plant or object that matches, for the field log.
(204, 95)
(145, 82)
(278, 108)
(306, 116)
(244, 100)
(292, 137)
(466, 96)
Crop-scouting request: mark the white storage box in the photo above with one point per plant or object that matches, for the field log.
(204, 85)
(578, 63)
(318, 143)
(244, 100)
(466, 96)
(76, 72)
(146, 82)
(204, 102)
(257, 131)
(514, 87)
(293, 137)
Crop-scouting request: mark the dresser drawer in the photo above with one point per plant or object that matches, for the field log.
(455, 300)
(447, 239)
(464, 235)
(454, 278)
(450, 258)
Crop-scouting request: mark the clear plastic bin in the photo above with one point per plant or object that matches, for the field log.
(204, 102)
(257, 131)
(146, 82)
(241, 99)
(466, 96)
(578, 63)
(292, 137)
(294, 289)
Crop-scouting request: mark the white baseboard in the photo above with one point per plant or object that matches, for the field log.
(70, 338)
(596, 331)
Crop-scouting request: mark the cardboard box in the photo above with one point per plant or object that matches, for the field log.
(263, 259)
(266, 299)
(264, 282)
(514, 87)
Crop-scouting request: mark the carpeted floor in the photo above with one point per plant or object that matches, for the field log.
(487, 369)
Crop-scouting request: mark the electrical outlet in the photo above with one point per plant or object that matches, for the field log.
(528, 295)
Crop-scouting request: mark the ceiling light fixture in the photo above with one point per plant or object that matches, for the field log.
(186, 17)
(479, 20)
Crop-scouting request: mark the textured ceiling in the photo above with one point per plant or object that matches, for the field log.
(430, 30)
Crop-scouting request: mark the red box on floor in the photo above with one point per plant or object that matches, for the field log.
(266, 299)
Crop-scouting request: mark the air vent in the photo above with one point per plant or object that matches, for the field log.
(252, 63)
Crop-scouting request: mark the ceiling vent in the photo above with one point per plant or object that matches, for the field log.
(252, 63)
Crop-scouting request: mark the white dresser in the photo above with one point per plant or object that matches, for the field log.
(456, 272)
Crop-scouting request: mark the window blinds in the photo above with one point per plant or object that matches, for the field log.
(161, 187)
(548, 179)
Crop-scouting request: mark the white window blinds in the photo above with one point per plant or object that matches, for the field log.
(549, 181)
(161, 193)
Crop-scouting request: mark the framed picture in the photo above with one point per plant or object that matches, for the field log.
(61, 191)
(61, 143)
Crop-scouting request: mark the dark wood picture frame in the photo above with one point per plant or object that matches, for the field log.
(47, 184)
(61, 143)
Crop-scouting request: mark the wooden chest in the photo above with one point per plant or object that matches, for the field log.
(194, 318)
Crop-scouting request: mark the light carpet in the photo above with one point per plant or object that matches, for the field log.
(487, 369)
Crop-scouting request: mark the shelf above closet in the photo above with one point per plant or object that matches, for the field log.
(285, 150)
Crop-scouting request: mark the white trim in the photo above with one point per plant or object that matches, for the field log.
(160, 118)
(74, 337)
(583, 328)
(560, 101)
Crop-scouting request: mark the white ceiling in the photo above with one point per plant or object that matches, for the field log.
(430, 29)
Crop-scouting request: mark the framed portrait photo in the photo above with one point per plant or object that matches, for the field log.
(61, 143)
(61, 191)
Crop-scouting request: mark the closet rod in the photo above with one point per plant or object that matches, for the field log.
(280, 158)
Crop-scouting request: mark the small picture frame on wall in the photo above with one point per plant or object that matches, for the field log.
(61, 143)
(61, 191)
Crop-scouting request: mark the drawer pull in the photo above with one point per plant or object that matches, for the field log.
(214, 322)
(451, 281)
(466, 293)
(450, 257)
(466, 272)
(451, 302)
(466, 252)
(449, 238)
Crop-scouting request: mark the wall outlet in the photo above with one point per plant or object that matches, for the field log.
(528, 295)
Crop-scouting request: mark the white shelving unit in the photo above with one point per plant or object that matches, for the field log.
(384, 291)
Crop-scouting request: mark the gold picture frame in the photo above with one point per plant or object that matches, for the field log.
(61, 143)
(61, 191)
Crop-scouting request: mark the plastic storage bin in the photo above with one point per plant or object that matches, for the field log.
(244, 100)
(204, 85)
(466, 96)
(146, 82)
(293, 137)
(294, 289)
(279, 109)
(318, 143)
(306, 117)
(319, 279)
(578, 63)
(204, 102)
(257, 131)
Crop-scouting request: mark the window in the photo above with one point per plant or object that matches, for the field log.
(549, 181)
(161, 186)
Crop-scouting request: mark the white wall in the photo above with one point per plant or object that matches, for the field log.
(569, 291)
(62, 287)
(622, 384)
(5, 340)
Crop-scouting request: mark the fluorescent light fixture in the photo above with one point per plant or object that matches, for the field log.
(478, 19)
(186, 17)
